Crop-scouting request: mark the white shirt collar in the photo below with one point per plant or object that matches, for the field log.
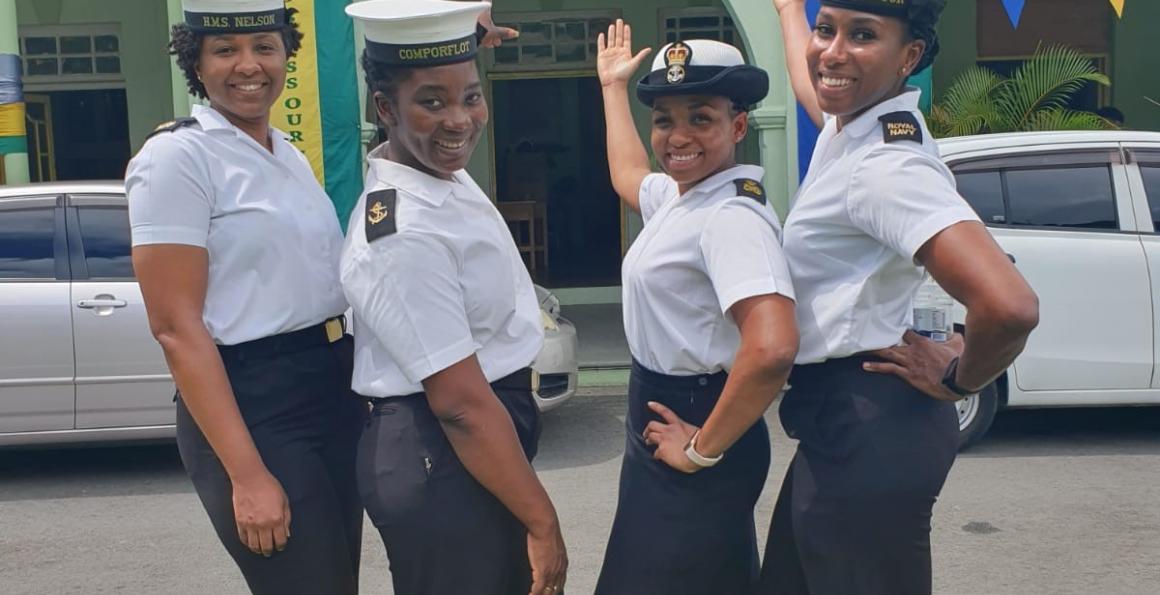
(210, 120)
(423, 186)
(862, 125)
(714, 182)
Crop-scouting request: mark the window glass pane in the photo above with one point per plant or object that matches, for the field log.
(37, 46)
(26, 244)
(507, 54)
(571, 53)
(599, 26)
(76, 45)
(107, 44)
(984, 192)
(108, 65)
(536, 54)
(1151, 175)
(105, 234)
(1080, 196)
(571, 31)
(42, 67)
(76, 65)
(535, 33)
(671, 37)
(701, 22)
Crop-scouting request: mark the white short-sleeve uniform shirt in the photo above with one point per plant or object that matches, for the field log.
(272, 233)
(864, 210)
(447, 284)
(698, 255)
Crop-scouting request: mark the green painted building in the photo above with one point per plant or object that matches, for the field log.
(97, 81)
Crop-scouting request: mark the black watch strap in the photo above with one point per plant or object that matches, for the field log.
(948, 380)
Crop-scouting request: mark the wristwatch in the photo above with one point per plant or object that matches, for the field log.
(699, 459)
(948, 381)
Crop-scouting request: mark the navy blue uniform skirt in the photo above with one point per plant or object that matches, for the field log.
(853, 516)
(676, 533)
(293, 391)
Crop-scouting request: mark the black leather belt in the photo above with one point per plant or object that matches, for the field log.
(325, 333)
(525, 379)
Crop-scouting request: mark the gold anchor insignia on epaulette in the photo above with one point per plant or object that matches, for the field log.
(378, 214)
(754, 187)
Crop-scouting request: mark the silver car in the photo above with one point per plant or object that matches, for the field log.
(77, 360)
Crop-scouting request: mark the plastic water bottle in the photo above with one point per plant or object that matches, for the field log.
(932, 312)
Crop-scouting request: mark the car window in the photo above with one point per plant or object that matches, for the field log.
(26, 244)
(1150, 172)
(105, 235)
(1079, 196)
(984, 192)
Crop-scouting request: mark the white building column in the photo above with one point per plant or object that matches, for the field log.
(775, 120)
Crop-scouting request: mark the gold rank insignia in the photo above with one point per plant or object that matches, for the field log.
(751, 189)
(676, 58)
(900, 126)
(172, 126)
(380, 214)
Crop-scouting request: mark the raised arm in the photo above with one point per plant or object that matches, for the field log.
(795, 32)
(627, 158)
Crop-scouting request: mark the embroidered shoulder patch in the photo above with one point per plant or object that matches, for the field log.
(898, 126)
(381, 214)
(750, 188)
(172, 126)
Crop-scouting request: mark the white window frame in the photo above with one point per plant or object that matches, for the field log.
(92, 80)
(549, 18)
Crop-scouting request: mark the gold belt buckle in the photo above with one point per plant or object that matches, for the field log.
(535, 382)
(333, 330)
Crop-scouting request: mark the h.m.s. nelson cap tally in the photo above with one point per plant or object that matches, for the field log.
(234, 16)
(419, 33)
(703, 67)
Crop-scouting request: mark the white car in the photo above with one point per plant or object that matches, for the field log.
(77, 361)
(1079, 214)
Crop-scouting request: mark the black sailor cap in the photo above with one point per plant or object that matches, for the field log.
(703, 67)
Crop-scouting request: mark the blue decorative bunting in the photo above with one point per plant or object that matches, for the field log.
(1014, 11)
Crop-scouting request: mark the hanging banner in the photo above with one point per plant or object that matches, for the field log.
(12, 130)
(1014, 11)
(1119, 6)
(325, 126)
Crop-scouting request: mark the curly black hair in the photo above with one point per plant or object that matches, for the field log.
(185, 44)
(384, 78)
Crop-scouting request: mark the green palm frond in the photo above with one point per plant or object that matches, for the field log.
(1034, 98)
(1044, 82)
(1066, 119)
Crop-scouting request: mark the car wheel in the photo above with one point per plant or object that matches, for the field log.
(976, 414)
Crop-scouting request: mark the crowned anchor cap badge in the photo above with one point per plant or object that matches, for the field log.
(676, 58)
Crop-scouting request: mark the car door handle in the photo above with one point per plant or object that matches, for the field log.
(101, 303)
(1011, 257)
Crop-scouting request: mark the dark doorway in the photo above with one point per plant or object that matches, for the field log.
(89, 132)
(550, 154)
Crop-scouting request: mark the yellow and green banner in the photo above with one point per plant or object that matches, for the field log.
(320, 107)
(12, 135)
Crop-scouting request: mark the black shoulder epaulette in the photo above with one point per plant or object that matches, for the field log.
(381, 214)
(172, 126)
(750, 188)
(897, 126)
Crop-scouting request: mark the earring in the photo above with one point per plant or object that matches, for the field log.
(902, 72)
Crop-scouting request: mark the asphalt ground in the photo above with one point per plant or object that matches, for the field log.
(1059, 502)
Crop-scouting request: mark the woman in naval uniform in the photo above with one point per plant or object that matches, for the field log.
(871, 402)
(236, 248)
(708, 312)
(446, 325)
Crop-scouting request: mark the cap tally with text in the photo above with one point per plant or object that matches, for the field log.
(703, 67)
(419, 33)
(234, 16)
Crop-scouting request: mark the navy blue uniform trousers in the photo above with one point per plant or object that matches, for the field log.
(676, 533)
(294, 394)
(853, 515)
(445, 534)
